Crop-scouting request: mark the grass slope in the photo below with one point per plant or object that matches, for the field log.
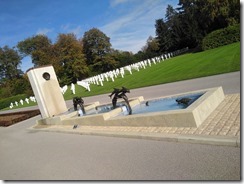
(193, 65)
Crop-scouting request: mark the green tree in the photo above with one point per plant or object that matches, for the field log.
(188, 17)
(123, 58)
(12, 80)
(38, 47)
(104, 64)
(204, 16)
(217, 14)
(19, 85)
(169, 33)
(234, 12)
(188, 24)
(95, 44)
(68, 59)
(151, 48)
(97, 48)
(10, 62)
(163, 36)
(140, 56)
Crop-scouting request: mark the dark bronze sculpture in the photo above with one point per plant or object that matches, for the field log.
(120, 93)
(184, 101)
(79, 101)
(147, 103)
(75, 126)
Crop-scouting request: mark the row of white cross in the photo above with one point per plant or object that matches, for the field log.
(112, 75)
(27, 100)
(72, 88)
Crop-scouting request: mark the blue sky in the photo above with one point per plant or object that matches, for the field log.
(128, 23)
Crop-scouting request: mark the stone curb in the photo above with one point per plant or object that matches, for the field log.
(197, 139)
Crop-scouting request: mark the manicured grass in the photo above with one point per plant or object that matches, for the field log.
(20, 106)
(188, 66)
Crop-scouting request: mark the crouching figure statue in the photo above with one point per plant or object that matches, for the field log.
(184, 101)
(120, 93)
(79, 101)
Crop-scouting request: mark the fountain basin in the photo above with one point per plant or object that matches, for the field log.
(192, 116)
(100, 119)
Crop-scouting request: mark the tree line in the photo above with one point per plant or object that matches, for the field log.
(78, 58)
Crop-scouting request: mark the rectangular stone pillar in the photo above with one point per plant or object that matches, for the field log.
(47, 91)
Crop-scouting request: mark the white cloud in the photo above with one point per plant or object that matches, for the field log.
(43, 31)
(133, 45)
(114, 3)
(65, 27)
(71, 29)
(130, 31)
(77, 30)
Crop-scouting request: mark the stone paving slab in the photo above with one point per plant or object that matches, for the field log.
(222, 127)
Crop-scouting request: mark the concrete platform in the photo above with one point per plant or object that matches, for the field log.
(192, 116)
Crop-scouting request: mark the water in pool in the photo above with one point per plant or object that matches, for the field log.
(165, 104)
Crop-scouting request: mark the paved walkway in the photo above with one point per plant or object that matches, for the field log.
(222, 127)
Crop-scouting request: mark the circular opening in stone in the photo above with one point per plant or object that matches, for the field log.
(46, 76)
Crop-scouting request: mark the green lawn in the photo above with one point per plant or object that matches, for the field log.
(21, 106)
(193, 65)
(188, 66)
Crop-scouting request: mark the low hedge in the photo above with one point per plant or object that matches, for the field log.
(7, 101)
(221, 37)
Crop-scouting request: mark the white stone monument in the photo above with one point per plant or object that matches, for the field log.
(22, 102)
(27, 100)
(72, 88)
(47, 92)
